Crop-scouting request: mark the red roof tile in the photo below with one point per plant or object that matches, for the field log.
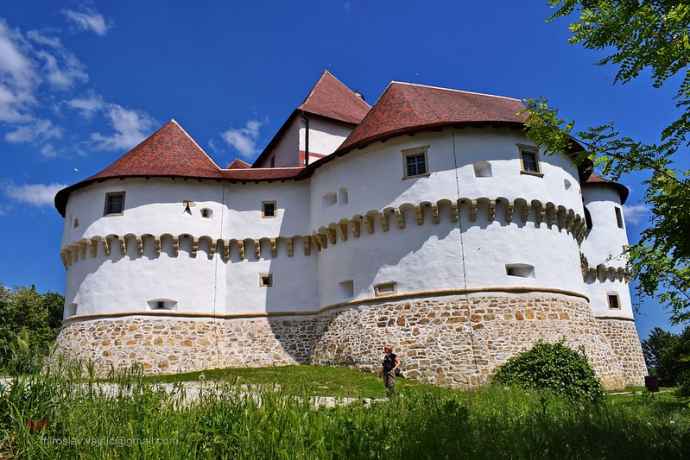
(332, 99)
(238, 164)
(405, 107)
(170, 151)
(622, 190)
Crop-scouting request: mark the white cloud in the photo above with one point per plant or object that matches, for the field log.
(48, 151)
(130, 127)
(18, 76)
(39, 130)
(34, 194)
(635, 213)
(243, 139)
(45, 40)
(62, 76)
(88, 19)
(87, 105)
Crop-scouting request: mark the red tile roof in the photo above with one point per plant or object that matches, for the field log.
(330, 98)
(405, 107)
(170, 151)
(238, 164)
(622, 190)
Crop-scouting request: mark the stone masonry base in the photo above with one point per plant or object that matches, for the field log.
(454, 340)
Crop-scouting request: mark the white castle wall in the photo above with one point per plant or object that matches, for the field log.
(604, 245)
(417, 258)
(324, 136)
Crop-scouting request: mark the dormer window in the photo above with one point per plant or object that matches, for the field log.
(415, 162)
(114, 203)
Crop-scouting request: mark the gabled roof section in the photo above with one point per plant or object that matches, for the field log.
(170, 151)
(622, 190)
(238, 164)
(330, 98)
(406, 107)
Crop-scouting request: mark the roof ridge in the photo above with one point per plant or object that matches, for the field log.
(172, 120)
(453, 89)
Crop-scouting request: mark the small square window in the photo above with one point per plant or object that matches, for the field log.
(265, 280)
(530, 160)
(206, 213)
(415, 162)
(614, 302)
(114, 203)
(385, 289)
(619, 217)
(268, 209)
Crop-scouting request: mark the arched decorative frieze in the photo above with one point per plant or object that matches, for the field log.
(342, 230)
(522, 208)
(601, 272)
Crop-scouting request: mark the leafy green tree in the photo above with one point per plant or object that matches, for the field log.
(658, 351)
(30, 323)
(640, 35)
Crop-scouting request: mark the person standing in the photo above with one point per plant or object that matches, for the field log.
(391, 364)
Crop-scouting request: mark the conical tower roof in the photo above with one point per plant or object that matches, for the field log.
(330, 98)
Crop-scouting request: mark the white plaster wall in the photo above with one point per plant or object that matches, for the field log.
(373, 176)
(598, 297)
(286, 151)
(121, 283)
(152, 206)
(294, 281)
(324, 136)
(417, 258)
(430, 257)
(604, 245)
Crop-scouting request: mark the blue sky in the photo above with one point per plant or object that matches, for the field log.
(80, 83)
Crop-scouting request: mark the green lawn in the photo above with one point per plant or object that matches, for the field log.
(314, 380)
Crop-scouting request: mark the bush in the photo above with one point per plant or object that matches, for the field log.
(554, 367)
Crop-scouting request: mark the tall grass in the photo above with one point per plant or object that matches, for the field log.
(138, 419)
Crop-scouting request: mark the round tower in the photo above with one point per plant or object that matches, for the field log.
(604, 271)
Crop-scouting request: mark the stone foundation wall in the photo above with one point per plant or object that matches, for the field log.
(623, 337)
(451, 340)
(173, 345)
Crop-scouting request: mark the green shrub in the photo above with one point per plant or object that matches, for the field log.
(554, 367)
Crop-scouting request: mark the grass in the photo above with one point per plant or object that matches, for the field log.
(314, 380)
(422, 422)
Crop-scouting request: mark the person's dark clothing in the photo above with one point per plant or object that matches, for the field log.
(389, 362)
(389, 373)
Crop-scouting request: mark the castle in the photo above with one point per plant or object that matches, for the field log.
(428, 221)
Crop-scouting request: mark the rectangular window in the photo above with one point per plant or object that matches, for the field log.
(520, 270)
(265, 280)
(268, 209)
(385, 289)
(619, 217)
(415, 162)
(530, 160)
(347, 289)
(114, 203)
(613, 301)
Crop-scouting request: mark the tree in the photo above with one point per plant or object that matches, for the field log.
(641, 35)
(30, 323)
(658, 348)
